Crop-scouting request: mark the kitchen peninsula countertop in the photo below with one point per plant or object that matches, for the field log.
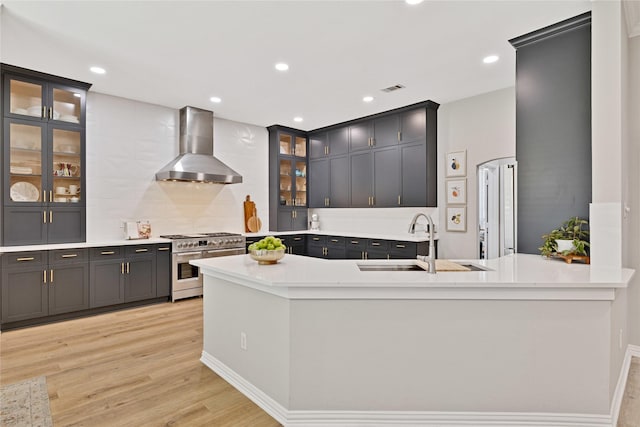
(518, 276)
(407, 237)
(91, 244)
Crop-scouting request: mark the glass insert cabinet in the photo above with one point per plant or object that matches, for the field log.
(44, 157)
(287, 179)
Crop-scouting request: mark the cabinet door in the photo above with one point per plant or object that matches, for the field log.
(24, 162)
(140, 280)
(317, 144)
(297, 245)
(66, 224)
(300, 183)
(361, 179)
(338, 141)
(66, 158)
(318, 183)
(315, 251)
(385, 131)
(66, 104)
(24, 97)
(339, 177)
(106, 282)
(413, 126)
(354, 253)
(68, 288)
(386, 164)
(359, 136)
(163, 270)
(403, 250)
(285, 220)
(24, 293)
(24, 225)
(414, 174)
(300, 221)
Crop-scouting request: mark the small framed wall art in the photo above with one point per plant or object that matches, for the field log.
(457, 218)
(456, 191)
(456, 163)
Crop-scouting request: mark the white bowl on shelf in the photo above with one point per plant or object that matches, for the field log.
(69, 118)
(35, 110)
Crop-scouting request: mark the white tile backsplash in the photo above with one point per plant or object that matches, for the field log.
(370, 220)
(129, 141)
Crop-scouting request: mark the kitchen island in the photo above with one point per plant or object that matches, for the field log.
(319, 341)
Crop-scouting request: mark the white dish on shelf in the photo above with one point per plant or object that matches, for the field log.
(19, 111)
(36, 110)
(69, 118)
(23, 191)
(24, 170)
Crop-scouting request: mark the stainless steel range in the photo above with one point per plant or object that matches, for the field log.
(187, 279)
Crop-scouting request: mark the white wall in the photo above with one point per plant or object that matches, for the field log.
(129, 141)
(485, 126)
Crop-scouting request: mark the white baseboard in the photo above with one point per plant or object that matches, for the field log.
(298, 418)
(618, 394)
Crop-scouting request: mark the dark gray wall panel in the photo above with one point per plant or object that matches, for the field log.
(553, 129)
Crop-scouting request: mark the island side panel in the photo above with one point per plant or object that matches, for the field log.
(425, 355)
(229, 310)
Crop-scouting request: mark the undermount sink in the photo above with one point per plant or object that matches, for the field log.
(416, 267)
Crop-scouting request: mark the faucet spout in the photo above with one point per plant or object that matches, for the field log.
(431, 257)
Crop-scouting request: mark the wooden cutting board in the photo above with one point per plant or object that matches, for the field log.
(249, 209)
(254, 224)
(443, 265)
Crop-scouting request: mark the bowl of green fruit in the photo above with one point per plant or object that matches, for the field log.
(269, 250)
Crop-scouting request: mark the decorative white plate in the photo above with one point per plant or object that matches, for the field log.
(19, 111)
(69, 118)
(23, 191)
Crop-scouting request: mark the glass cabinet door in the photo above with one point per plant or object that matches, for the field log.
(301, 184)
(286, 183)
(286, 147)
(25, 159)
(66, 104)
(25, 98)
(300, 147)
(66, 172)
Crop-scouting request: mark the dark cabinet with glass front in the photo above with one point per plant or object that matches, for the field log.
(287, 179)
(44, 157)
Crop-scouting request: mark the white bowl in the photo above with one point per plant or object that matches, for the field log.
(264, 256)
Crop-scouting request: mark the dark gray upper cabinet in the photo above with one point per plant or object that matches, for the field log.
(413, 126)
(380, 132)
(327, 182)
(44, 154)
(287, 179)
(553, 127)
(360, 136)
(361, 179)
(319, 187)
(412, 158)
(318, 146)
(386, 180)
(338, 141)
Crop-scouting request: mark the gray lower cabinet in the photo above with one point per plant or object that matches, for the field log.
(41, 283)
(163, 270)
(33, 225)
(123, 274)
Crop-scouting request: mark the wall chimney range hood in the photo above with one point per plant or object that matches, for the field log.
(196, 162)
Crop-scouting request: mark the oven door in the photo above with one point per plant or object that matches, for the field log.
(185, 275)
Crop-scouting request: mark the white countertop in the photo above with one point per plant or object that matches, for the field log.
(92, 244)
(518, 276)
(407, 237)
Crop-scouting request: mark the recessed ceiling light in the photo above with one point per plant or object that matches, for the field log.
(98, 70)
(281, 66)
(490, 59)
(215, 99)
(297, 119)
(367, 98)
(412, 2)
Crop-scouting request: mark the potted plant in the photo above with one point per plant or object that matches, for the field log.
(572, 238)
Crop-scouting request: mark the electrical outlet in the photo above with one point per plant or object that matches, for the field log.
(243, 341)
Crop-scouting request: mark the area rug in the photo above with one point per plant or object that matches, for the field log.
(25, 404)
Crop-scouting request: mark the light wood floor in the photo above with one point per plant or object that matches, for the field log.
(629, 415)
(136, 367)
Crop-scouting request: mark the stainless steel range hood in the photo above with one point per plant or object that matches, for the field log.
(196, 162)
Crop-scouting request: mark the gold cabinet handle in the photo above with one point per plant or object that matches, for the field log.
(107, 253)
(44, 217)
(44, 276)
(373, 200)
(315, 238)
(44, 112)
(399, 199)
(122, 268)
(50, 113)
(141, 250)
(127, 268)
(51, 276)
(400, 246)
(50, 195)
(334, 240)
(354, 242)
(69, 255)
(164, 249)
(44, 196)
(28, 258)
(50, 217)
(399, 136)
(375, 244)
(297, 239)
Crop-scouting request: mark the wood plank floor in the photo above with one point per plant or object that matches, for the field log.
(136, 367)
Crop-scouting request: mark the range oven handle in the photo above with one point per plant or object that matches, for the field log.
(223, 252)
(189, 253)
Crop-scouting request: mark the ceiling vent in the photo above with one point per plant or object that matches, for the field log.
(392, 88)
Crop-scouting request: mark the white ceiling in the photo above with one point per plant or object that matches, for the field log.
(177, 53)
